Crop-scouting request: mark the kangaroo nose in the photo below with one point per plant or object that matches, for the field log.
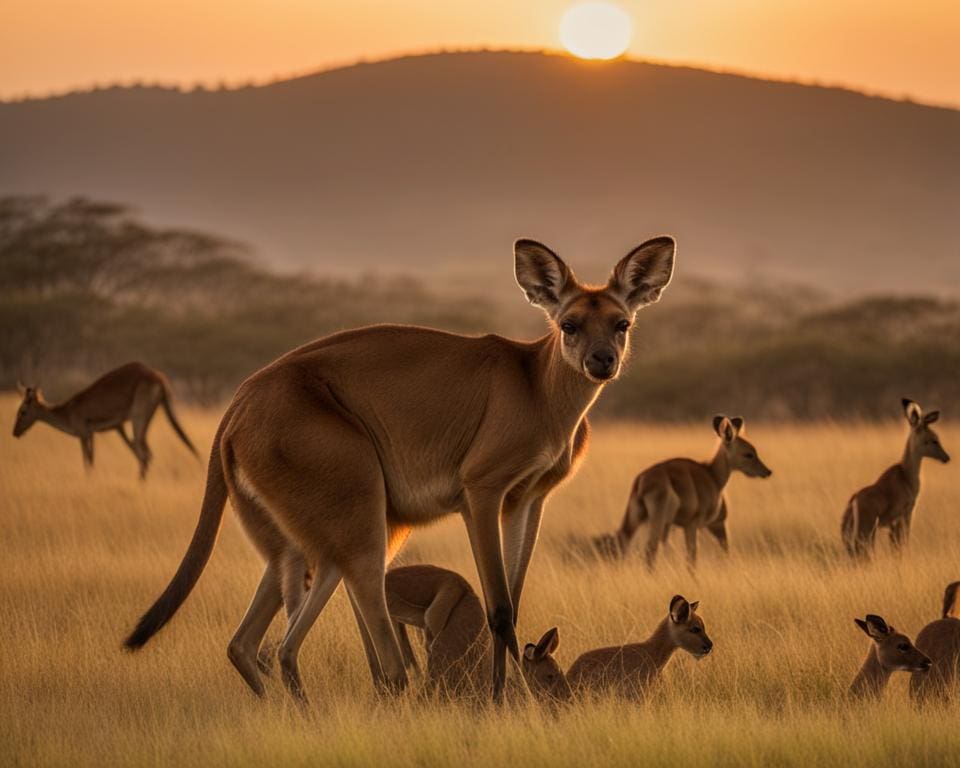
(603, 357)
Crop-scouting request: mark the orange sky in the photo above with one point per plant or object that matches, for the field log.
(894, 48)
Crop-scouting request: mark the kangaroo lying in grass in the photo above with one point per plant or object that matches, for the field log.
(940, 640)
(687, 494)
(627, 670)
(890, 652)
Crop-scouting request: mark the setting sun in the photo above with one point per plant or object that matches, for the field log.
(596, 30)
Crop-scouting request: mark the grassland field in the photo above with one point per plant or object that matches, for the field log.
(83, 555)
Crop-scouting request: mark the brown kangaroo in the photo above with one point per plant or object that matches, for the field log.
(687, 494)
(541, 672)
(627, 670)
(940, 640)
(442, 604)
(334, 452)
(890, 652)
(132, 392)
(889, 502)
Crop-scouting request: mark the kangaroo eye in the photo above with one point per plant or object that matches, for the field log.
(903, 647)
(568, 328)
(749, 455)
(623, 326)
(694, 630)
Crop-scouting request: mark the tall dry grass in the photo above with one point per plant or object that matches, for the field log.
(83, 556)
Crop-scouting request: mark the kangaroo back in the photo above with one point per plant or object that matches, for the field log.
(194, 561)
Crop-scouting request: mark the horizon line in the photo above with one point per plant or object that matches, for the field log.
(239, 84)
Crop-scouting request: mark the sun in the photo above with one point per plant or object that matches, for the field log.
(596, 30)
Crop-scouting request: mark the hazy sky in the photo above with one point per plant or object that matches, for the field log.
(895, 48)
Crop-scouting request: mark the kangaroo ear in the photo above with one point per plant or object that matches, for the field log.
(679, 609)
(529, 651)
(694, 605)
(724, 428)
(737, 422)
(950, 595)
(541, 274)
(931, 417)
(642, 274)
(876, 627)
(859, 622)
(911, 411)
(21, 387)
(548, 643)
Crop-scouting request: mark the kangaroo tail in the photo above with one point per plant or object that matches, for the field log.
(950, 607)
(194, 561)
(168, 409)
(848, 527)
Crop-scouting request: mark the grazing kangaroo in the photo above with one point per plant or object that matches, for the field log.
(889, 502)
(940, 640)
(541, 672)
(132, 392)
(890, 652)
(334, 452)
(442, 604)
(687, 494)
(624, 669)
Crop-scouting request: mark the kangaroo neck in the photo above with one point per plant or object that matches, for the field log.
(56, 416)
(567, 393)
(719, 467)
(911, 463)
(659, 646)
(872, 677)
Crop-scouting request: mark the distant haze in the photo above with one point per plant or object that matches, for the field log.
(436, 163)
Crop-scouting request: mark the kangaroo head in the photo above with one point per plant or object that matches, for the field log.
(894, 650)
(30, 409)
(593, 321)
(542, 672)
(687, 630)
(923, 440)
(741, 454)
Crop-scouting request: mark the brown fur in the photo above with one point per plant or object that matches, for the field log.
(890, 501)
(890, 651)
(442, 604)
(132, 392)
(687, 494)
(940, 640)
(627, 670)
(334, 452)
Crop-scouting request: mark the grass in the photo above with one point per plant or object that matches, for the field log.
(84, 556)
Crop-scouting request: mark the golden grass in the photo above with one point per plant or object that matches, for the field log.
(82, 557)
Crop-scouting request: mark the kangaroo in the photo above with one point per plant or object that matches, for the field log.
(332, 454)
(890, 652)
(889, 502)
(687, 494)
(628, 670)
(940, 640)
(442, 604)
(132, 392)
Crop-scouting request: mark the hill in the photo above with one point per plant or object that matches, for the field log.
(434, 164)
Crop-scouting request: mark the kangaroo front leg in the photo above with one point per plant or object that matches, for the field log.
(719, 532)
(483, 528)
(690, 536)
(900, 533)
(521, 528)
(86, 446)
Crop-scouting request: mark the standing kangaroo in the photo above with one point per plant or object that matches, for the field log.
(334, 452)
(625, 669)
(132, 392)
(687, 494)
(889, 502)
(940, 640)
(442, 604)
(890, 652)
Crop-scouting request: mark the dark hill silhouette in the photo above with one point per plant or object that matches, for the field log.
(440, 161)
